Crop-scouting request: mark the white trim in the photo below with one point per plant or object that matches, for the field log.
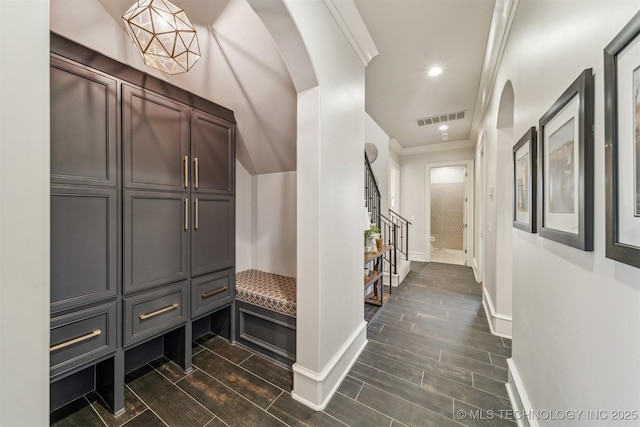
(518, 397)
(474, 267)
(469, 214)
(418, 256)
(350, 22)
(309, 387)
(500, 324)
(395, 146)
(503, 13)
(441, 146)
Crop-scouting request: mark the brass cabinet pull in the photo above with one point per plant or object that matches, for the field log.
(196, 172)
(155, 313)
(214, 292)
(186, 213)
(186, 171)
(75, 340)
(195, 225)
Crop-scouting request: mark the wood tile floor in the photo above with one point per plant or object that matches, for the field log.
(430, 361)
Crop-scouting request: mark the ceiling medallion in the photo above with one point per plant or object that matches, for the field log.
(163, 34)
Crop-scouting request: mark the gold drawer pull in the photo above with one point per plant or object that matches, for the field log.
(186, 171)
(186, 213)
(214, 292)
(155, 313)
(75, 340)
(196, 172)
(195, 225)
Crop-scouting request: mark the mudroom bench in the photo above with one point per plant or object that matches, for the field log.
(266, 314)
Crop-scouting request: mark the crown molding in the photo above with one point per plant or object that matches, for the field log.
(395, 146)
(503, 13)
(350, 22)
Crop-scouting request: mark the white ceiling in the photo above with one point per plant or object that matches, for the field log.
(411, 36)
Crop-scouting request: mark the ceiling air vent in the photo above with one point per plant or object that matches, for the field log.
(441, 118)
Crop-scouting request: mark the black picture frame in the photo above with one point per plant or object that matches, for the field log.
(619, 142)
(524, 181)
(565, 195)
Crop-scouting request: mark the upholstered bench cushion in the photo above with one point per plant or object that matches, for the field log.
(271, 291)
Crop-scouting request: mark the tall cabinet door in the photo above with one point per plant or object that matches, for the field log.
(156, 231)
(212, 234)
(84, 239)
(155, 141)
(83, 125)
(213, 153)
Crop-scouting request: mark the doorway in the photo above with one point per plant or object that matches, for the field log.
(448, 215)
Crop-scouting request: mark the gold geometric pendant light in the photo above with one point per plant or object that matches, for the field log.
(163, 34)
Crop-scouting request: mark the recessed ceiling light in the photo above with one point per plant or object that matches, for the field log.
(435, 71)
(443, 127)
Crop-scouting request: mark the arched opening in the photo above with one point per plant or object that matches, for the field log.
(498, 227)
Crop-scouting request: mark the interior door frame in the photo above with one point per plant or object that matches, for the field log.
(469, 208)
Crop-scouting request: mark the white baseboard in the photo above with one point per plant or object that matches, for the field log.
(315, 389)
(417, 256)
(518, 397)
(500, 324)
(474, 267)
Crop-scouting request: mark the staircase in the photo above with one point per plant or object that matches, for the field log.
(394, 230)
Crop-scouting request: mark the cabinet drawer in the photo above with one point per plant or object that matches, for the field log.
(152, 313)
(212, 291)
(81, 337)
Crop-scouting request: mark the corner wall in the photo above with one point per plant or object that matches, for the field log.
(576, 315)
(24, 213)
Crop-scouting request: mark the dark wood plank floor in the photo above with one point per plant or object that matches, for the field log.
(430, 361)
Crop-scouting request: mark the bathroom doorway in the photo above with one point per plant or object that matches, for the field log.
(448, 214)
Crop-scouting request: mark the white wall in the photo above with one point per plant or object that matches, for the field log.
(576, 315)
(274, 246)
(331, 126)
(380, 167)
(266, 222)
(413, 192)
(245, 218)
(24, 213)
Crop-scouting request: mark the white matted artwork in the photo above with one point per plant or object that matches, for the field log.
(566, 166)
(524, 182)
(622, 144)
(563, 170)
(629, 146)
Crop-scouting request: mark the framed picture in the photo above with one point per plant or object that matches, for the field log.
(622, 144)
(565, 196)
(524, 182)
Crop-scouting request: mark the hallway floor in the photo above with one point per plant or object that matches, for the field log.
(448, 256)
(430, 361)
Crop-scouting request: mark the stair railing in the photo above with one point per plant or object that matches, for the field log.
(403, 232)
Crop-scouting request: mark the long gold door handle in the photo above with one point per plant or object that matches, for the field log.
(186, 213)
(195, 225)
(214, 292)
(196, 172)
(75, 340)
(186, 171)
(155, 313)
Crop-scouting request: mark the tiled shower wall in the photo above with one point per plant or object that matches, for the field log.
(447, 215)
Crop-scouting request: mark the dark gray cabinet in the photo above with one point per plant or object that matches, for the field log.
(156, 232)
(213, 152)
(142, 222)
(83, 125)
(84, 239)
(213, 234)
(155, 140)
